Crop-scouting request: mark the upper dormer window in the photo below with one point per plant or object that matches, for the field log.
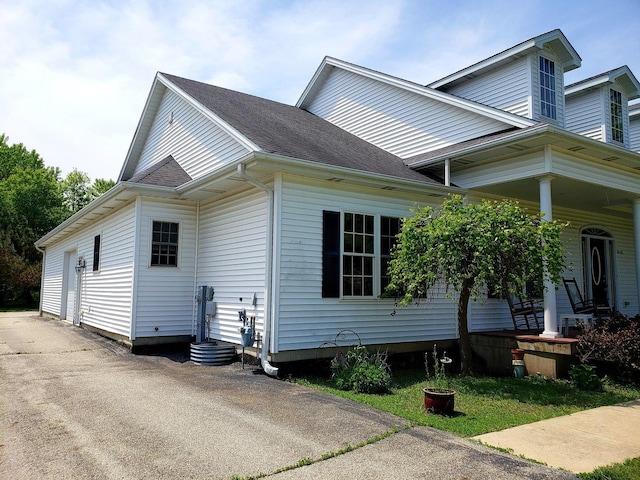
(547, 88)
(615, 103)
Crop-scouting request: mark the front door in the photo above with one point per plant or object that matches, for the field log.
(598, 255)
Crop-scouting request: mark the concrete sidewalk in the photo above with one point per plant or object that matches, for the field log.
(580, 442)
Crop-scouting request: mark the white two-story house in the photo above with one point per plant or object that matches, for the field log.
(289, 212)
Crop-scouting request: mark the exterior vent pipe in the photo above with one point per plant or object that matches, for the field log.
(266, 366)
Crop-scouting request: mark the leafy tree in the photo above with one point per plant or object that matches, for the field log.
(473, 248)
(76, 190)
(30, 206)
(100, 186)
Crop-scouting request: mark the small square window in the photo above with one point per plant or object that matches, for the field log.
(164, 245)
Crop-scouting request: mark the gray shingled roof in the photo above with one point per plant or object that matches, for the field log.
(167, 173)
(286, 130)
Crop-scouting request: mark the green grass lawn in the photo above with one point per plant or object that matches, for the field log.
(483, 404)
(487, 404)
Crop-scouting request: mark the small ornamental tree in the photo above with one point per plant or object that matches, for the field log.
(471, 249)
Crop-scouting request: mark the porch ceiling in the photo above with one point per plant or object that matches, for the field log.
(568, 193)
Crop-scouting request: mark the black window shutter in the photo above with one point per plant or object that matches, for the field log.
(330, 254)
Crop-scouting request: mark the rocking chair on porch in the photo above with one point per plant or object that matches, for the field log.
(584, 306)
(524, 313)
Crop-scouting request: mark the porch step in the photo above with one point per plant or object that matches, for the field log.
(213, 352)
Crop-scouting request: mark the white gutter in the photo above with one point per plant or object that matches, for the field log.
(268, 317)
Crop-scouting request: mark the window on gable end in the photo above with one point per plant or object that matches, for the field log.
(617, 125)
(547, 88)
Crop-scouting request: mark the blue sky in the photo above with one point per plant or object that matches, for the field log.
(76, 73)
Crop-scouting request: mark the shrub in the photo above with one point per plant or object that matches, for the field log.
(584, 377)
(361, 371)
(614, 344)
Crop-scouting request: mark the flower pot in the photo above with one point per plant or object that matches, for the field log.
(517, 354)
(439, 400)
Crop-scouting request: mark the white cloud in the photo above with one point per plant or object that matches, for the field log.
(75, 74)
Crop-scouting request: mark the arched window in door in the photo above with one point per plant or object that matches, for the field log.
(598, 259)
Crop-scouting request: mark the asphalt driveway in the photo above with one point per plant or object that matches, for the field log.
(74, 405)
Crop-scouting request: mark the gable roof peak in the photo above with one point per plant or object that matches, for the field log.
(329, 64)
(623, 76)
(553, 39)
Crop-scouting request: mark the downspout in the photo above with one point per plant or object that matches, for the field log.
(266, 366)
(194, 319)
(44, 261)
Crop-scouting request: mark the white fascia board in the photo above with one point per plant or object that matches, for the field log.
(624, 74)
(230, 130)
(102, 200)
(286, 164)
(321, 72)
(475, 148)
(543, 129)
(519, 50)
(587, 85)
(516, 51)
(494, 113)
(155, 94)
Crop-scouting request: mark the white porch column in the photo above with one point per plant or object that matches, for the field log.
(447, 172)
(636, 238)
(550, 315)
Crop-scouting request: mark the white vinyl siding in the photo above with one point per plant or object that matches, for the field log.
(634, 133)
(584, 115)
(105, 297)
(401, 122)
(232, 259)
(305, 319)
(194, 141)
(507, 88)
(165, 295)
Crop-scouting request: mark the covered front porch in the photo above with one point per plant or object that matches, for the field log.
(591, 186)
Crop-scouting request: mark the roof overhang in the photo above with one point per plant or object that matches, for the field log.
(263, 166)
(117, 197)
(521, 140)
(227, 180)
(588, 175)
(555, 40)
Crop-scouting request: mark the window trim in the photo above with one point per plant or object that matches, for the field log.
(97, 252)
(617, 115)
(177, 244)
(543, 88)
(363, 254)
(333, 254)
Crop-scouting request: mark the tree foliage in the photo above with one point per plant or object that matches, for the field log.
(30, 206)
(33, 200)
(472, 249)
